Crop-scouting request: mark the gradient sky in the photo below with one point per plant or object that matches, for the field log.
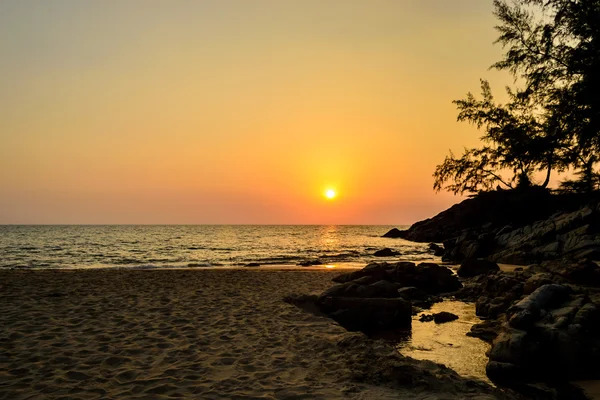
(235, 111)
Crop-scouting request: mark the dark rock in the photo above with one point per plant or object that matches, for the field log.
(486, 330)
(429, 277)
(444, 316)
(367, 314)
(538, 280)
(349, 289)
(585, 273)
(473, 267)
(438, 250)
(494, 210)
(384, 289)
(365, 280)
(310, 263)
(385, 253)
(394, 233)
(524, 313)
(412, 293)
(506, 373)
(426, 318)
(306, 302)
(252, 264)
(551, 334)
(375, 271)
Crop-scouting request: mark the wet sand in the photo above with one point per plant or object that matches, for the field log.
(206, 334)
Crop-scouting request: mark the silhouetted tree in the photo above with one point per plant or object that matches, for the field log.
(516, 143)
(553, 121)
(557, 53)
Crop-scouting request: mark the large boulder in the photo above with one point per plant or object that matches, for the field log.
(443, 317)
(393, 233)
(379, 289)
(473, 267)
(437, 250)
(429, 277)
(385, 253)
(368, 314)
(553, 333)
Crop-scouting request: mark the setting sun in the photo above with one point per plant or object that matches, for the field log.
(330, 193)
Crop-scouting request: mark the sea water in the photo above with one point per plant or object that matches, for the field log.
(197, 246)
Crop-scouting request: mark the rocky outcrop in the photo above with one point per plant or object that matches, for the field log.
(381, 296)
(490, 210)
(515, 227)
(368, 314)
(551, 333)
(429, 277)
(436, 249)
(393, 233)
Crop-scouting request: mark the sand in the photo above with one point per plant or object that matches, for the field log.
(205, 334)
(164, 334)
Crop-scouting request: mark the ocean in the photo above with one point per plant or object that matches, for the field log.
(198, 246)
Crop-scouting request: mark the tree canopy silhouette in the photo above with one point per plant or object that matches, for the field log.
(552, 122)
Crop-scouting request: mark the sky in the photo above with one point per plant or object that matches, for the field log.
(235, 111)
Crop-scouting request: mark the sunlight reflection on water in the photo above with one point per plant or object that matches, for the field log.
(448, 343)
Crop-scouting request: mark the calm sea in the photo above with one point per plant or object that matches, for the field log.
(150, 246)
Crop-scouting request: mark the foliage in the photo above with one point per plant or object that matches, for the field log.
(553, 122)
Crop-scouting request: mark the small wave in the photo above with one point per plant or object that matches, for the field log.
(126, 261)
(200, 265)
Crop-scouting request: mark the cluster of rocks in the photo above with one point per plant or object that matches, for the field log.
(543, 321)
(514, 227)
(384, 296)
(551, 333)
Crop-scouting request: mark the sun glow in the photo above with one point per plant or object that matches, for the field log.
(330, 194)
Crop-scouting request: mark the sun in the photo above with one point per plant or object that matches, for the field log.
(330, 194)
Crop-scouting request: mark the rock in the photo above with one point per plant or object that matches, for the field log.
(375, 271)
(524, 313)
(429, 277)
(585, 273)
(426, 318)
(384, 289)
(365, 280)
(309, 263)
(412, 293)
(368, 314)
(473, 267)
(349, 289)
(252, 264)
(486, 330)
(385, 253)
(394, 233)
(437, 250)
(551, 334)
(538, 280)
(506, 373)
(443, 317)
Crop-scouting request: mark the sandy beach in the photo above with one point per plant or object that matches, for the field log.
(205, 334)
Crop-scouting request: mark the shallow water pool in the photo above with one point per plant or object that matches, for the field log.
(448, 343)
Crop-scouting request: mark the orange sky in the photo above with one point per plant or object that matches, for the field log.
(235, 111)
